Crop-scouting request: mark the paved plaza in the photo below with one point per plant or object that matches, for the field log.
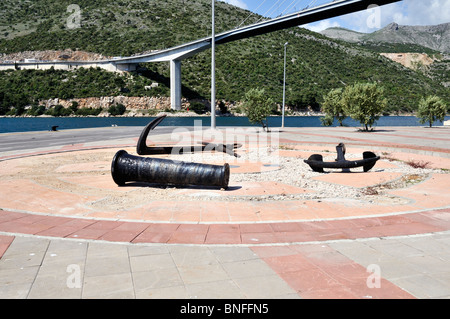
(279, 231)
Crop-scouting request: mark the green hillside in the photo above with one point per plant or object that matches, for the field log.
(316, 63)
(110, 27)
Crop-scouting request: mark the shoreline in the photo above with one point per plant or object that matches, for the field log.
(10, 124)
(186, 114)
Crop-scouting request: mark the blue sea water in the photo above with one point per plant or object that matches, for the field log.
(26, 124)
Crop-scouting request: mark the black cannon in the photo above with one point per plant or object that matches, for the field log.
(129, 168)
(317, 164)
(143, 149)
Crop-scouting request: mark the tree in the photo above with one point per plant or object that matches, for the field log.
(333, 108)
(257, 107)
(4, 107)
(364, 102)
(304, 99)
(431, 109)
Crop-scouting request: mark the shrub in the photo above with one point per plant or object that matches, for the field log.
(58, 110)
(117, 109)
(197, 107)
(223, 108)
(74, 107)
(16, 111)
(86, 111)
(36, 110)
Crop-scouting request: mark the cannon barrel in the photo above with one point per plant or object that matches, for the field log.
(130, 168)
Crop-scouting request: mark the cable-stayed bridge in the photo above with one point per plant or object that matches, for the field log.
(175, 55)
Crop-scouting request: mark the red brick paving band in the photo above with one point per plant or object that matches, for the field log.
(235, 234)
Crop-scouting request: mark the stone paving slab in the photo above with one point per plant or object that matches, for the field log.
(129, 271)
(337, 269)
(418, 264)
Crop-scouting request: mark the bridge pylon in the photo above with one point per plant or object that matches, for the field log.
(175, 84)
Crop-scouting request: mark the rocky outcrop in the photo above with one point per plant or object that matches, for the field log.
(131, 103)
(50, 55)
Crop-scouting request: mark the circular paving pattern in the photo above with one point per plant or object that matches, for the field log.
(273, 197)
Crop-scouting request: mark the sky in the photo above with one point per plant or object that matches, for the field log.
(406, 12)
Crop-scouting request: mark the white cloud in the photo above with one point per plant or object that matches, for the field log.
(421, 12)
(407, 12)
(237, 3)
(321, 25)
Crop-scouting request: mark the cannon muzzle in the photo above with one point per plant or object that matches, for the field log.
(129, 168)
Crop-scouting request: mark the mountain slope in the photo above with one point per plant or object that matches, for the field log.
(110, 27)
(315, 65)
(435, 37)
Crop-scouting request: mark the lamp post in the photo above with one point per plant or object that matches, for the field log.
(213, 70)
(284, 85)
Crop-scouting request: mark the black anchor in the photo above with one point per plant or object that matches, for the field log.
(317, 164)
(143, 149)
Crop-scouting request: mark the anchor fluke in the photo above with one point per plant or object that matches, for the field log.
(371, 160)
(313, 160)
(142, 148)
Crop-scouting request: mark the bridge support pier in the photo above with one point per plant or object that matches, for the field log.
(175, 84)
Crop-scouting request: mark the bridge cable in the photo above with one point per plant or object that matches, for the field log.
(266, 14)
(277, 9)
(253, 13)
(290, 6)
(311, 4)
(277, 6)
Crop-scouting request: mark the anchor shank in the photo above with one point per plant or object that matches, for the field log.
(340, 149)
